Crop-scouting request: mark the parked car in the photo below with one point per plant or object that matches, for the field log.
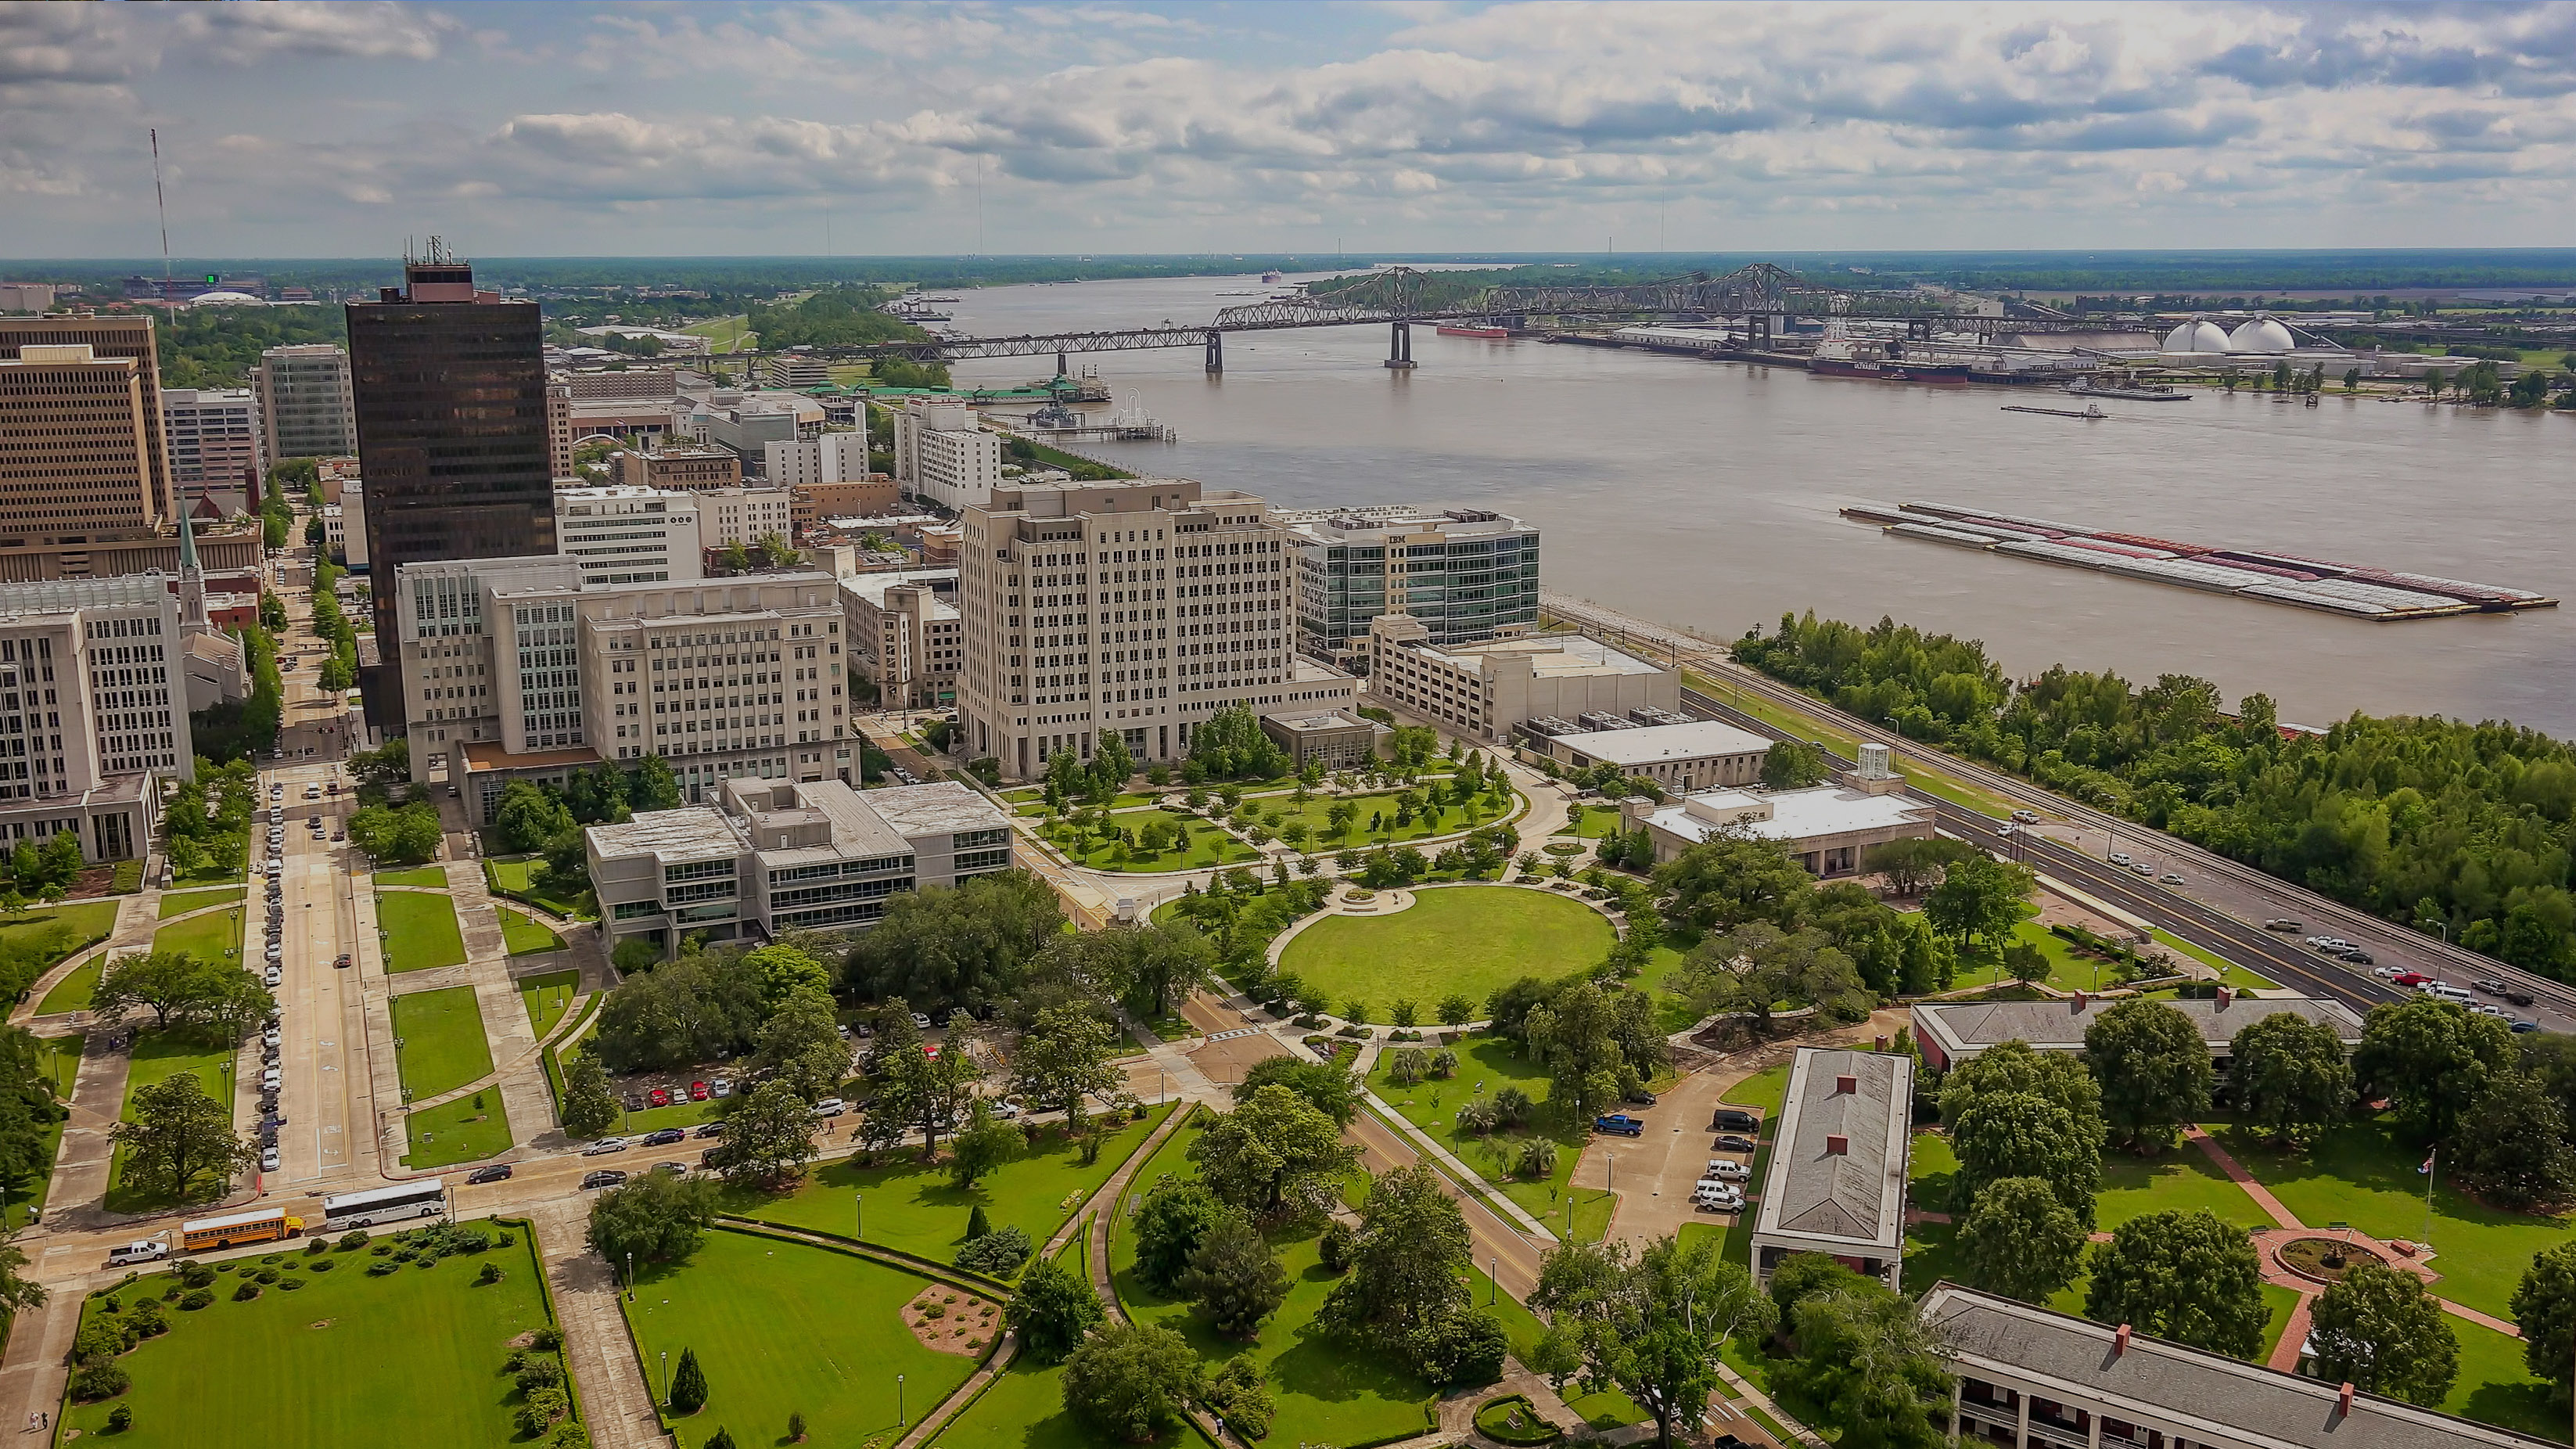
(343, 962)
(920, 1021)
(1640, 1097)
(1620, 1124)
(2523, 1024)
(604, 1146)
(830, 1107)
(721, 1087)
(602, 1178)
(697, 1091)
(2491, 988)
(146, 1251)
(1735, 1119)
(2410, 978)
(659, 1096)
(2357, 956)
(634, 1101)
(664, 1137)
(709, 1129)
(1727, 1170)
(497, 1173)
(1729, 1142)
(268, 1160)
(675, 1169)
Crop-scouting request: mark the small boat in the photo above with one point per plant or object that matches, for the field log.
(2091, 412)
(1269, 277)
(2087, 387)
(1446, 330)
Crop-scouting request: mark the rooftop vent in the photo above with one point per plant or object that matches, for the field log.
(1846, 1084)
(1838, 1146)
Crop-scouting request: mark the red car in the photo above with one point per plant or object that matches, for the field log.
(697, 1091)
(2410, 978)
(659, 1096)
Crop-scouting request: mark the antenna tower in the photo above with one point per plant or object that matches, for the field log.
(161, 209)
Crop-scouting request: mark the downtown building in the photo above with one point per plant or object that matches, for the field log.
(629, 535)
(450, 391)
(215, 441)
(943, 456)
(305, 407)
(1142, 606)
(1468, 575)
(520, 671)
(906, 636)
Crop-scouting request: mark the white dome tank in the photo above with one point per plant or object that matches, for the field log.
(2262, 335)
(2196, 335)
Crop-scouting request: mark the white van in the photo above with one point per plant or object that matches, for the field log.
(145, 1251)
(2445, 991)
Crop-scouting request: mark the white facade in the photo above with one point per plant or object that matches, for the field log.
(1142, 605)
(1485, 690)
(831, 458)
(214, 438)
(942, 454)
(1829, 828)
(906, 635)
(744, 515)
(305, 406)
(629, 535)
(93, 709)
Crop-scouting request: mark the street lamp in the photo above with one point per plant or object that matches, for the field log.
(898, 1401)
(859, 1205)
(630, 1277)
(666, 1377)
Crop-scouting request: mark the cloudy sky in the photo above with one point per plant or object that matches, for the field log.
(591, 129)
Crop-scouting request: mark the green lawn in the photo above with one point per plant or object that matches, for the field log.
(1762, 1091)
(2228, 971)
(1593, 822)
(527, 878)
(1207, 845)
(214, 936)
(547, 998)
(1930, 1169)
(419, 875)
(1378, 805)
(2495, 1387)
(526, 935)
(88, 922)
(1024, 1407)
(73, 992)
(1486, 1065)
(58, 1058)
(342, 1360)
(1609, 1409)
(419, 930)
(784, 1327)
(1327, 1392)
(681, 1113)
(179, 903)
(919, 1210)
(2180, 1180)
(155, 1058)
(468, 1129)
(2360, 1175)
(440, 1042)
(1469, 939)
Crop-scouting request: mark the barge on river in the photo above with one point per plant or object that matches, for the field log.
(2356, 591)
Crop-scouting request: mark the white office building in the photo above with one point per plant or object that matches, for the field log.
(942, 455)
(630, 535)
(809, 462)
(93, 708)
(906, 636)
(305, 406)
(1140, 605)
(214, 438)
(765, 856)
(520, 671)
(744, 515)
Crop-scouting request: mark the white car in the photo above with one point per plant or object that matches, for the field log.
(1723, 1170)
(720, 1087)
(2388, 973)
(1006, 1108)
(830, 1107)
(920, 1021)
(2119, 857)
(604, 1146)
(268, 1159)
(1710, 1202)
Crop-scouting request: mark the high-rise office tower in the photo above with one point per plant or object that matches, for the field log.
(450, 392)
(304, 405)
(214, 439)
(127, 339)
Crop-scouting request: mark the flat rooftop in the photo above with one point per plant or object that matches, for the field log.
(1550, 655)
(1972, 1026)
(940, 807)
(1794, 814)
(674, 837)
(1837, 1171)
(1322, 719)
(872, 587)
(1657, 744)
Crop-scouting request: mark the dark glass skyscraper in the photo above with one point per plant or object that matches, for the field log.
(450, 389)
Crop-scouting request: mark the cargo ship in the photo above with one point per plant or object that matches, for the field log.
(1446, 329)
(2087, 387)
(1267, 278)
(1928, 374)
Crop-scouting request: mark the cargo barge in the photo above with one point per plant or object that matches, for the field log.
(2357, 591)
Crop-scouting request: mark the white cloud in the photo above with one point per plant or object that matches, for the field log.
(313, 30)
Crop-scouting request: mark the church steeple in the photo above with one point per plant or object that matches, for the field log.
(192, 579)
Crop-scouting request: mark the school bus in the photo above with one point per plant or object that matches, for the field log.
(240, 1228)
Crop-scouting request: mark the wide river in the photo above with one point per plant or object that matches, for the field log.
(1705, 494)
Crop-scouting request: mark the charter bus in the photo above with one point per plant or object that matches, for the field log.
(426, 1198)
(227, 1232)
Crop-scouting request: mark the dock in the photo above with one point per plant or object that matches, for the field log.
(2356, 591)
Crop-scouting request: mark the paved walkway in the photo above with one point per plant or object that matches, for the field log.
(616, 1403)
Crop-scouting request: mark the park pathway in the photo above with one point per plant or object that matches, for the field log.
(616, 1403)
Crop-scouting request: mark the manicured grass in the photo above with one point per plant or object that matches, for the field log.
(58, 1058)
(919, 1209)
(179, 903)
(1469, 939)
(2280, 1302)
(681, 1113)
(2361, 1175)
(419, 875)
(74, 991)
(1931, 1168)
(155, 1058)
(525, 934)
(2228, 971)
(2180, 1180)
(214, 936)
(1207, 845)
(783, 1328)
(1327, 1391)
(547, 998)
(2495, 1386)
(343, 1360)
(420, 930)
(1380, 805)
(1762, 1091)
(1024, 1407)
(468, 1129)
(528, 879)
(1593, 822)
(1486, 1065)
(440, 1040)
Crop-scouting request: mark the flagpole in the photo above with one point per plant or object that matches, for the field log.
(2432, 1169)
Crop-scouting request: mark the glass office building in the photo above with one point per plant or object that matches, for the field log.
(1467, 574)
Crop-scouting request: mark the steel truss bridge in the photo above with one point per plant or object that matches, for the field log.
(1761, 296)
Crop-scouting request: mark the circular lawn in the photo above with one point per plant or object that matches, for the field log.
(1465, 939)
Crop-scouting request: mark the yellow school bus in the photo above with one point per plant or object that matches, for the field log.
(240, 1228)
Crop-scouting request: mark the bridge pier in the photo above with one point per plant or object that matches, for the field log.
(1757, 331)
(1215, 351)
(1059, 362)
(1399, 346)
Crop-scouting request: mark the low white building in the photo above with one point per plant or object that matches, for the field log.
(1487, 690)
(1829, 828)
(1679, 757)
(1951, 1032)
(773, 855)
(744, 515)
(941, 453)
(630, 535)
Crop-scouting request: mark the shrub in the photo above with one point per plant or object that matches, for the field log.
(382, 1267)
(977, 1225)
(539, 1409)
(248, 1290)
(97, 1379)
(1337, 1246)
(315, 1246)
(289, 1285)
(796, 1422)
(491, 1274)
(324, 1266)
(266, 1275)
(196, 1274)
(120, 1418)
(349, 1242)
(196, 1298)
(997, 1254)
(549, 1338)
(542, 1371)
(506, 1240)
(1461, 1348)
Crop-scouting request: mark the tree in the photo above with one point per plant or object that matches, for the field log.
(698, 1008)
(1413, 1244)
(2020, 1134)
(1131, 1381)
(984, 1143)
(1063, 1057)
(1651, 1325)
(926, 1091)
(2512, 1144)
(2291, 1078)
(2430, 1059)
(179, 1132)
(1915, 863)
(1979, 898)
(1329, 1087)
(589, 1106)
(1052, 1309)
(1152, 967)
(964, 946)
(1238, 1394)
(2382, 1331)
(1872, 1366)
(2188, 1276)
(655, 1217)
(529, 815)
(653, 785)
(170, 983)
(689, 1385)
(1792, 765)
(2016, 1066)
(802, 1043)
(768, 1137)
(1234, 1278)
(2544, 1308)
(1751, 968)
(2021, 1241)
(1275, 1154)
(404, 836)
(1733, 879)
(785, 969)
(1175, 1218)
(17, 1293)
(2154, 1070)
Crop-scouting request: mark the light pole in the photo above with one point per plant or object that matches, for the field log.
(898, 1401)
(630, 1277)
(859, 1205)
(666, 1378)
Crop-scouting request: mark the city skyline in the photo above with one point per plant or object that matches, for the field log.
(526, 130)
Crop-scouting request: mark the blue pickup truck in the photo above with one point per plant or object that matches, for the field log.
(1620, 1123)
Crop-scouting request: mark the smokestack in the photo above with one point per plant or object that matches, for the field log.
(2120, 1344)
(2343, 1402)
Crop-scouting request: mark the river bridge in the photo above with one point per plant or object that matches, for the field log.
(1762, 296)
